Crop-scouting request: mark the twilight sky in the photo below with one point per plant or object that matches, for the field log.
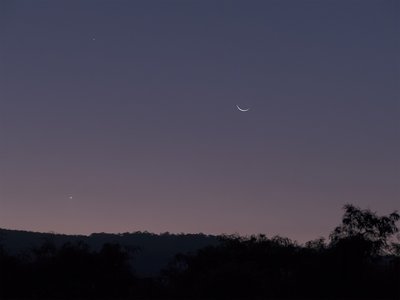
(129, 107)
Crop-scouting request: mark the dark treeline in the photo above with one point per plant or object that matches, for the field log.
(361, 260)
(155, 251)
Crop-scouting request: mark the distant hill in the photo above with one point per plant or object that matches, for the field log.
(155, 250)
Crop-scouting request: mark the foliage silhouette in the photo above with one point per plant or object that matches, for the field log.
(359, 261)
(372, 232)
(72, 270)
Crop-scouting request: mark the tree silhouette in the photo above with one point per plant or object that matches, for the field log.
(355, 264)
(367, 229)
(359, 262)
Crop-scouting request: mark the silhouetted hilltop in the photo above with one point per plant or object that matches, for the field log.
(360, 260)
(154, 251)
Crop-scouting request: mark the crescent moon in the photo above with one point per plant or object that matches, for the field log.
(241, 109)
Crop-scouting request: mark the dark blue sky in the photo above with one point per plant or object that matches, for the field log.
(130, 108)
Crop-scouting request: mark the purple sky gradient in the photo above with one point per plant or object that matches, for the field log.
(130, 107)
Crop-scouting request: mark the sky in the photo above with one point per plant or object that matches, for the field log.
(119, 116)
